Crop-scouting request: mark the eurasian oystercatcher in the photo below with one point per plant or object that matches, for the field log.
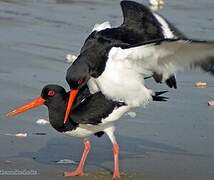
(91, 114)
(140, 24)
(110, 63)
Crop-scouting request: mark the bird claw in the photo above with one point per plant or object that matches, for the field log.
(157, 97)
(73, 173)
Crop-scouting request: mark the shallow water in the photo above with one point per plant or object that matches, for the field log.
(170, 140)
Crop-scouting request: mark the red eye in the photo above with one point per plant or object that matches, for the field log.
(51, 93)
(80, 81)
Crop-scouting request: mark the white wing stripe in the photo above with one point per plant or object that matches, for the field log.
(168, 33)
(100, 27)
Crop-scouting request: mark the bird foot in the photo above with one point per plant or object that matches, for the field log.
(116, 175)
(73, 173)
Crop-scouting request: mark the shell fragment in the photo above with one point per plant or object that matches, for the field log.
(201, 84)
(211, 103)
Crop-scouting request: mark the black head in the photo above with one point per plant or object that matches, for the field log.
(77, 74)
(54, 95)
(55, 98)
(91, 61)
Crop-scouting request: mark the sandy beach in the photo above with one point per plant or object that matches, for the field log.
(170, 140)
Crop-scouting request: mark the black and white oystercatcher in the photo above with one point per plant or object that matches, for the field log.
(139, 25)
(91, 114)
(114, 62)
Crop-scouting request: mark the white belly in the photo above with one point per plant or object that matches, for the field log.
(86, 130)
(121, 82)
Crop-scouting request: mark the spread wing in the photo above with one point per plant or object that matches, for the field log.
(150, 26)
(139, 25)
(147, 23)
(165, 57)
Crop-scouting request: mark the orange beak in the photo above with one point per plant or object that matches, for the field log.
(72, 95)
(32, 104)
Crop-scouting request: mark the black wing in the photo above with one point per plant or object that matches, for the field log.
(145, 24)
(140, 24)
(93, 109)
(83, 94)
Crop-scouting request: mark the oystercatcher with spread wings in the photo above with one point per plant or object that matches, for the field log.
(140, 25)
(112, 63)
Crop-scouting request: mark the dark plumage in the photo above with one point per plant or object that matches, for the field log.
(87, 109)
(139, 25)
(90, 115)
(144, 45)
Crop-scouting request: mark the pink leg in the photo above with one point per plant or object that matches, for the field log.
(79, 169)
(116, 173)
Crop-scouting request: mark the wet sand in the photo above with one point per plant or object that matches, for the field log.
(169, 140)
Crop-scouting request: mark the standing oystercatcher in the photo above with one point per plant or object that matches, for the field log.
(140, 24)
(111, 63)
(91, 114)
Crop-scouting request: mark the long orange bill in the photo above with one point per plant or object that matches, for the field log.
(73, 94)
(32, 104)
